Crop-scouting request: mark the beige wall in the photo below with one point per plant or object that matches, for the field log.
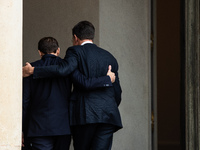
(11, 74)
(54, 18)
(124, 31)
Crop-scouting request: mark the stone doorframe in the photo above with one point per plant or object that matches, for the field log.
(191, 75)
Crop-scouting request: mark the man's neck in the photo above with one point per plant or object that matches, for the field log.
(82, 42)
(42, 54)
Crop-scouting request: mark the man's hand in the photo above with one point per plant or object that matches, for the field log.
(111, 74)
(27, 70)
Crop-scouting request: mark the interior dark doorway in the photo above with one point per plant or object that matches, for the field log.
(166, 27)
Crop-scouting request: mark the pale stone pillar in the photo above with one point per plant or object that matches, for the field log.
(191, 139)
(11, 74)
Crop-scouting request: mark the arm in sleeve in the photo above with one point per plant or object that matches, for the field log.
(116, 84)
(26, 102)
(117, 89)
(90, 83)
(67, 66)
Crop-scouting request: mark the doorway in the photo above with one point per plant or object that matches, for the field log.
(167, 73)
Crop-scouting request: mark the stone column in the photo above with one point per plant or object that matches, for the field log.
(11, 74)
(192, 75)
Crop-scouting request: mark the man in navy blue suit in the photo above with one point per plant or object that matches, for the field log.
(94, 113)
(46, 102)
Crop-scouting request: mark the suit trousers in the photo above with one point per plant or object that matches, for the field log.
(93, 136)
(61, 142)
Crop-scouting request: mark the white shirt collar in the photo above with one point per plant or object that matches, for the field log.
(87, 42)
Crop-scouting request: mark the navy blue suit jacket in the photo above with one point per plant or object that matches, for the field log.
(89, 106)
(46, 102)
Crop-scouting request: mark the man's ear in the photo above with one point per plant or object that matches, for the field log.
(40, 53)
(75, 37)
(76, 40)
(58, 51)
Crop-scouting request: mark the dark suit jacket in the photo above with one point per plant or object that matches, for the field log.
(89, 106)
(45, 102)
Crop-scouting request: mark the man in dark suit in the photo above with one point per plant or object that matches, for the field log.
(94, 114)
(45, 103)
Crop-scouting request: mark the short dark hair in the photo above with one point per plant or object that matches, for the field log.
(84, 30)
(48, 45)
